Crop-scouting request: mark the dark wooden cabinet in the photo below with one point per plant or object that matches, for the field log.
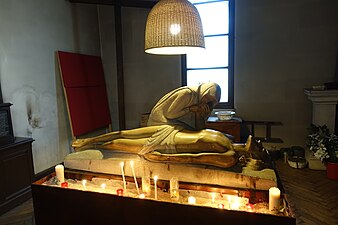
(232, 127)
(16, 173)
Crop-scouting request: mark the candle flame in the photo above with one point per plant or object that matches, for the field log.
(131, 163)
(192, 200)
(103, 185)
(155, 178)
(122, 164)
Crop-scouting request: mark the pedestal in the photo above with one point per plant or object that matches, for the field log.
(323, 113)
(323, 107)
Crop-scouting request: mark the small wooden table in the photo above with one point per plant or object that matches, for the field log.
(232, 127)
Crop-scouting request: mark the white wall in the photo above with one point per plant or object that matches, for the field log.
(281, 48)
(146, 77)
(30, 33)
(108, 54)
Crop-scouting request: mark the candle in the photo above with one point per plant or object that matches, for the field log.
(119, 192)
(84, 182)
(146, 185)
(174, 189)
(155, 184)
(132, 169)
(235, 203)
(213, 197)
(124, 179)
(274, 195)
(60, 174)
(64, 184)
(192, 200)
(249, 207)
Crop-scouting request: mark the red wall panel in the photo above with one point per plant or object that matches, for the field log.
(85, 88)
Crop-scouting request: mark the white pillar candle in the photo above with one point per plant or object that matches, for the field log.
(213, 197)
(60, 173)
(155, 184)
(132, 169)
(174, 189)
(192, 200)
(123, 178)
(274, 196)
(146, 185)
(235, 203)
(84, 182)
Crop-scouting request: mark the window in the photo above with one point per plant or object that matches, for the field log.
(215, 64)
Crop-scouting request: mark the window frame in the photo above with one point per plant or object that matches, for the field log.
(231, 58)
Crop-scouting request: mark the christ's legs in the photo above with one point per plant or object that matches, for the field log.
(139, 133)
(126, 145)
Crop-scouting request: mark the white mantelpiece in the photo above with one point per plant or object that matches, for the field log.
(323, 113)
(323, 107)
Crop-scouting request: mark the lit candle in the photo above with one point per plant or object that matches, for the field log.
(274, 195)
(119, 192)
(155, 184)
(213, 197)
(249, 207)
(132, 169)
(103, 186)
(84, 182)
(192, 200)
(142, 196)
(60, 173)
(124, 179)
(235, 204)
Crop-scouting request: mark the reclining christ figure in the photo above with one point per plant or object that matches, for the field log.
(175, 131)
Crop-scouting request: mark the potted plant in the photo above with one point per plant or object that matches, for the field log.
(324, 146)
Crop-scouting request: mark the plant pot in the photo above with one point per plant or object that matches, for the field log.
(332, 170)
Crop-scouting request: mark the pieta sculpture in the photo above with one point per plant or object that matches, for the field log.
(176, 132)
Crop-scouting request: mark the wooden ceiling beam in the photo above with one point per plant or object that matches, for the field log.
(125, 3)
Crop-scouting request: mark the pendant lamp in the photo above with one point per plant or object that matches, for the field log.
(173, 27)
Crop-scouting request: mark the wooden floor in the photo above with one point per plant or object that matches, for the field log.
(21, 215)
(312, 196)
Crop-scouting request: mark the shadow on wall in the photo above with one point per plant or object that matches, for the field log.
(34, 115)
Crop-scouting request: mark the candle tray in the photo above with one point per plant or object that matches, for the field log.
(66, 206)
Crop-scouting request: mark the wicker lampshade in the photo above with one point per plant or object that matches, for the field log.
(173, 27)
